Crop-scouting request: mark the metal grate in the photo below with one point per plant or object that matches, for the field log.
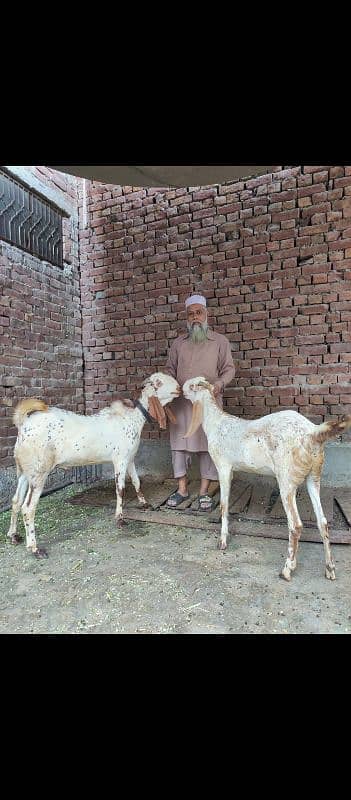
(30, 222)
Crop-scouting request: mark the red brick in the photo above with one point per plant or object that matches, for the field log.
(156, 248)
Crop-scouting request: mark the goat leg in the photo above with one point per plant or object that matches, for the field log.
(120, 473)
(288, 498)
(313, 487)
(28, 513)
(136, 483)
(225, 481)
(17, 502)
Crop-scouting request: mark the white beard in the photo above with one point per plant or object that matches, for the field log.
(197, 332)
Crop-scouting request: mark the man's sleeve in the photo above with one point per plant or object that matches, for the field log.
(226, 368)
(171, 365)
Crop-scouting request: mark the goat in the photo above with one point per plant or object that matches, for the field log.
(284, 444)
(51, 437)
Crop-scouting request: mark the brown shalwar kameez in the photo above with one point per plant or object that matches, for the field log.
(213, 360)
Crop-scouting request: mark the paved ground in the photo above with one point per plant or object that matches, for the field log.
(159, 579)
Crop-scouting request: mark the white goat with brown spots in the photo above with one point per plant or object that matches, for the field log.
(51, 437)
(284, 444)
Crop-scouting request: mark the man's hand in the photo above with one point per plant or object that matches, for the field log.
(217, 388)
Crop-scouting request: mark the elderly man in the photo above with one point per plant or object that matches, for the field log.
(200, 351)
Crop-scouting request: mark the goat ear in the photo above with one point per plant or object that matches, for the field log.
(196, 419)
(169, 414)
(157, 412)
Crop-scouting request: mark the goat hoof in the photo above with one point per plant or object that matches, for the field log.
(121, 523)
(41, 553)
(16, 539)
(222, 546)
(285, 574)
(330, 573)
(144, 507)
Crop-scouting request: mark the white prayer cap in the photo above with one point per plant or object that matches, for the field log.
(195, 298)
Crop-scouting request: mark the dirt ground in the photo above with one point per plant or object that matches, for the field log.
(154, 579)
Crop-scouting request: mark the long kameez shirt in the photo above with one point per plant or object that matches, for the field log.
(211, 359)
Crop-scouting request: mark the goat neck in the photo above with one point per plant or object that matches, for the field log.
(144, 401)
(211, 413)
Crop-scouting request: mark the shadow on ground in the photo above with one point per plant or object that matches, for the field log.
(156, 578)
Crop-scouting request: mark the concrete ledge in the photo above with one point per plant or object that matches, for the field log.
(155, 458)
(337, 465)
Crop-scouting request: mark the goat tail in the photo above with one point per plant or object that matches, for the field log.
(26, 407)
(331, 429)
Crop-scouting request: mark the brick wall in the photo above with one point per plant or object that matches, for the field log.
(40, 320)
(67, 184)
(273, 257)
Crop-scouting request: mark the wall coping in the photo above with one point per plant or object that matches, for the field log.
(56, 196)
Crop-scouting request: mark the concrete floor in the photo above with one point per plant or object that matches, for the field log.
(159, 579)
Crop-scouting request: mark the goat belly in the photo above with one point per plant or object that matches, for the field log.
(80, 463)
(82, 452)
(252, 456)
(250, 466)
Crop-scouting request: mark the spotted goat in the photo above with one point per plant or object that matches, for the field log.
(284, 444)
(52, 437)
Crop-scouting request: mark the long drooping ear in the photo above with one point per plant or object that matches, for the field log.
(169, 414)
(196, 419)
(157, 412)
